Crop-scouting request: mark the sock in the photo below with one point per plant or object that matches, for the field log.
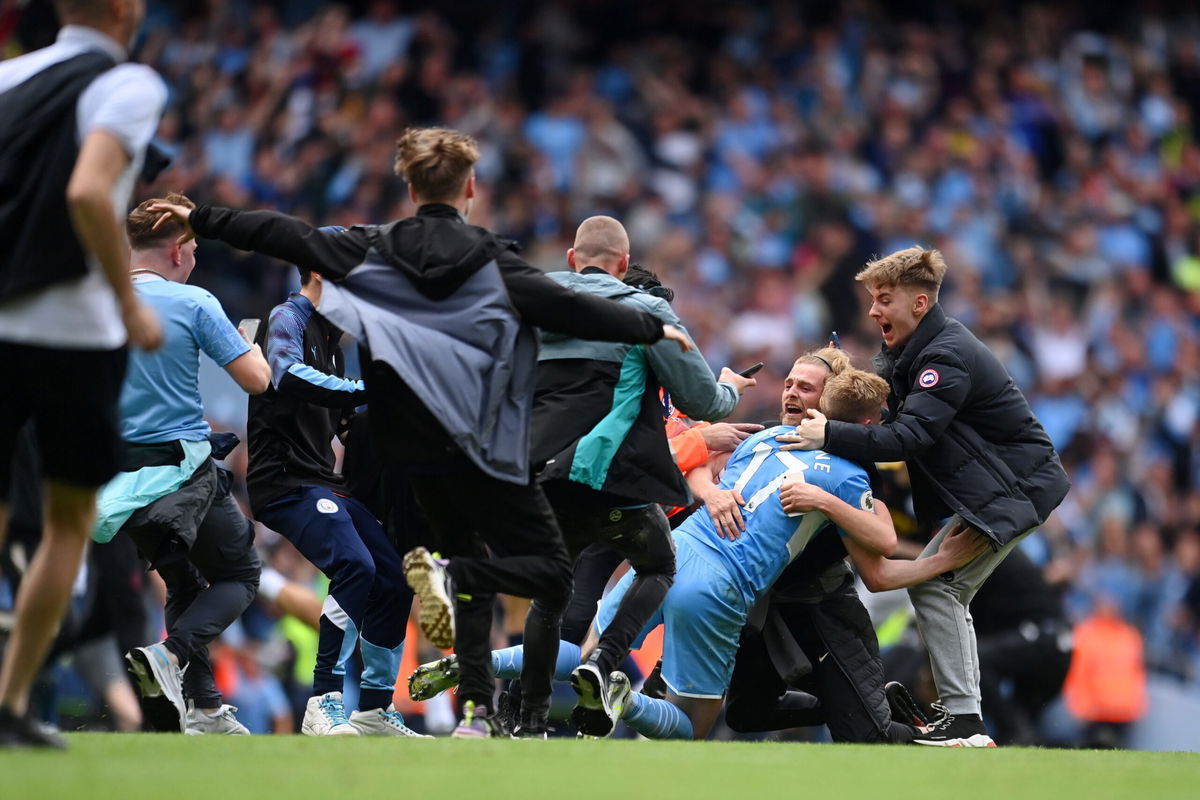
(656, 719)
(507, 663)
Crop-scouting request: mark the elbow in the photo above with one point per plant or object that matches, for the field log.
(84, 195)
(262, 380)
(890, 545)
(258, 381)
(874, 580)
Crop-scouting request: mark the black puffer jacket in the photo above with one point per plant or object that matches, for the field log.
(972, 444)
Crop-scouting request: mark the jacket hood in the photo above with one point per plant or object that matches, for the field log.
(437, 250)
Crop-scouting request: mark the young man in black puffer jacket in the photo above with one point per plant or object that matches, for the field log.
(974, 449)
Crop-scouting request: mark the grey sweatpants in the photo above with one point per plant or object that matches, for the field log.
(944, 619)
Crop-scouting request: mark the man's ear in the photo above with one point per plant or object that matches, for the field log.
(623, 266)
(571, 258)
(176, 257)
(470, 189)
(921, 304)
(412, 195)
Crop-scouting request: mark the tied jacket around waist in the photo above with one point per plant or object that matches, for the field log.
(972, 444)
(445, 312)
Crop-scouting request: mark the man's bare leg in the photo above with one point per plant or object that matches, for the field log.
(46, 590)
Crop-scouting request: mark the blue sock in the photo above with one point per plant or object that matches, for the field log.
(507, 663)
(656, 719)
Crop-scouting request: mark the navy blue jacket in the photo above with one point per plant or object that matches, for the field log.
(292, 424)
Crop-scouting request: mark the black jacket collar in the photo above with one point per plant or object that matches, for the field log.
(441, 210)
(928, 328)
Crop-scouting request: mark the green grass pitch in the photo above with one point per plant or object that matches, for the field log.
(101, 766)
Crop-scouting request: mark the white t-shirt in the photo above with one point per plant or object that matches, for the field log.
(126, 101)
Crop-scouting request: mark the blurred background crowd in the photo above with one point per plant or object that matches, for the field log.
(759, 154)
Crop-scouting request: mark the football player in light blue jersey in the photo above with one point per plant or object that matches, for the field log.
(719, 577)
(773, 537)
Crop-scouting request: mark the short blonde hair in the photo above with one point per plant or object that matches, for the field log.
(436, 161)
(853, 395)
(601, 237)
(832, 358)
(914, 266)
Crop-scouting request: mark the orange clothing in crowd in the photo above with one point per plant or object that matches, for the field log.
(1107, 679)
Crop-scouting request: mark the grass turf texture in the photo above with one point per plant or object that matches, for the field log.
(100, 766)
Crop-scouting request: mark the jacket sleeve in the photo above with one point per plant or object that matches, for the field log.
(290, 375)
(542, 302)
(687, 376)
(941, 384)
(331, 253)
(688, 449)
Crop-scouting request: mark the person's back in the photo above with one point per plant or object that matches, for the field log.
(160, 399)
(291, 425)
(773, 538)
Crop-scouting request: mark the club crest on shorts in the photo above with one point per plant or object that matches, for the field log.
(326, 506)
(928, 379)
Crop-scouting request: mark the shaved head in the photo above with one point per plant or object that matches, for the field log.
(602, 242)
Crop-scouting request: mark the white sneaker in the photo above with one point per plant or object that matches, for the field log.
(224, 723)
(325, 715)
(159, 683)
(426, 575)
(383, 722)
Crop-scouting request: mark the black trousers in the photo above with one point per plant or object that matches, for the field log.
(470, 515)
(593, 569)
(640, 535)
(208, 587)
(847, 675)
(1033, 661)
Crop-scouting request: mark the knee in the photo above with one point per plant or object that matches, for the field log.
(658, 565)
(357, 566)
(739, 714)
(935, 590)
(558, 581)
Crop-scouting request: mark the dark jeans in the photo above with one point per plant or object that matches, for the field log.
(640, 535)
(208, 587)
(847, 675)
(593, 569)
(472, 514)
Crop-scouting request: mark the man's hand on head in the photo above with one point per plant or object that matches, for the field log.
(181, 214)
(810, 435)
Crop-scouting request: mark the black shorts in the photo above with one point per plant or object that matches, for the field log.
(71, 397)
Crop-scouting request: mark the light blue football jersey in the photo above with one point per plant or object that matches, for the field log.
(757, 469)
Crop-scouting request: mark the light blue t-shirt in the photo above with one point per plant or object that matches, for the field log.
(757, 469)
(160, 400)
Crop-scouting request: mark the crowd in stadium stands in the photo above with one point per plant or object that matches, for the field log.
(758, 156)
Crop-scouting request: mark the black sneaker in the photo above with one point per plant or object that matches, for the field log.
(904, 708)
(25, 731)
(956, 730)
(593, 715)
(508, 709)
(654, 685)
(529, 727)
